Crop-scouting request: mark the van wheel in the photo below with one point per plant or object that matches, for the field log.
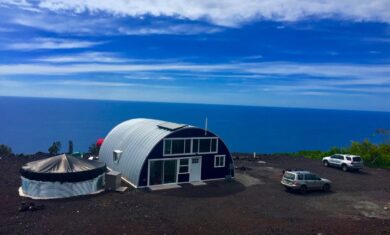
(344, 167)
(326, 163)
(326, 188)
(303, 189)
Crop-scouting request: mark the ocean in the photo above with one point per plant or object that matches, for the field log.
(29, 125)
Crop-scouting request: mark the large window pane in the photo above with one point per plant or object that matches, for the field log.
(156, 172)
(213, 145)
(177, 146)
(170, 171)
(204, 145)
(167, 146)
(188, 146)
(195, 145)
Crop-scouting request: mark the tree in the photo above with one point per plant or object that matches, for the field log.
(94, 149)
(5, 150)
(70, 147)
(55, 148)
(385, 134)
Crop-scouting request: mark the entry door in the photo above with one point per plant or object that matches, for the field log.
(196, 166)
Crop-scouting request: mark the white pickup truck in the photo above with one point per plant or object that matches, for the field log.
(344, 161)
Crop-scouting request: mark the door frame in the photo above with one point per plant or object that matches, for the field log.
(200, 168)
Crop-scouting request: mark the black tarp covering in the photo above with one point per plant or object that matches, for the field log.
(63, 168)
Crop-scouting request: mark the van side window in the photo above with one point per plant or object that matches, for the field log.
(348, 158)
(300, 177)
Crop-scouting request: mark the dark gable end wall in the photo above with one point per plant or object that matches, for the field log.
(208, 170)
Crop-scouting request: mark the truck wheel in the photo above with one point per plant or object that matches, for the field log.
(326, 187)
(303, 189)
(326, 163)
(344, 167)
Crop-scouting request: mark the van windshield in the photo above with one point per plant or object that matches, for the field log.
(289, 176)
(357, 159)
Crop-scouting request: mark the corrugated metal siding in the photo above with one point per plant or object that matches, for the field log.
(136, 138)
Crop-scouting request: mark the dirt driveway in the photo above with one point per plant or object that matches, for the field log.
(253, 203)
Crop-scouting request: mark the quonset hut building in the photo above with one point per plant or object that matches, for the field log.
(151, 152)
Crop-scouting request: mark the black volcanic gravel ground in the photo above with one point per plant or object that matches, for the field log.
(356, 205)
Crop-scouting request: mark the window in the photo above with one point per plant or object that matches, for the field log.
(177, 146)
(195, 145)
(204, 145)
(300, 177)
(116, 155)
(213, 145)
(348, 158)
(184, 166)
(167, 146)
(219, 161)
(187, 146)
(311, 177)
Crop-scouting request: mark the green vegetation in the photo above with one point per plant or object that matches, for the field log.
(55, 148)
(374, 155)
(5, 150)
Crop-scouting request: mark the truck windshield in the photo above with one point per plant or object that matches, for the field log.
(357, 159)
(289, 176)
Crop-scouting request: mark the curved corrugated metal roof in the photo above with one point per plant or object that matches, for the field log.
(136, 138)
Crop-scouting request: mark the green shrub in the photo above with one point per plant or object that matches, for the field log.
(374, 155)
(5, 150)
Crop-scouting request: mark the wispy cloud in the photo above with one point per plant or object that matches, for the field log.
(182, 29)
(367, 74)
(103, 25)
(22, 4)
(149, 77)
(228, 12)
(86, 57)
(49, 43)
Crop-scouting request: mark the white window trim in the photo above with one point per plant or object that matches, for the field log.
(188, 166)
(177, 170)
(215, 161)
(116, 156)
(192, 143)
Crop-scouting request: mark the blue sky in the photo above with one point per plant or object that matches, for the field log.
(287, 53)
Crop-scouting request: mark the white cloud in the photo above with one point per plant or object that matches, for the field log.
(231, 12)
(86, 57)
(348, 77)
(49, 43)
(182, 29)
(149, 77)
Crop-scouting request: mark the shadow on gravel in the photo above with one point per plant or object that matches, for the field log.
(318, 193)
(212, 189)
(360, 172)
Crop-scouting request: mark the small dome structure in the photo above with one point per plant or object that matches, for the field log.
(61, 176)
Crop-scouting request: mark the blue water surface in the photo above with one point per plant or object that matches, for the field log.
(29, 125)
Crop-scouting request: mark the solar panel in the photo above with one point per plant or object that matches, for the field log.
(171, 126)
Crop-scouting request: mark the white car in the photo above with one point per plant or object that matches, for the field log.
(303, 181)
(344, 161)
